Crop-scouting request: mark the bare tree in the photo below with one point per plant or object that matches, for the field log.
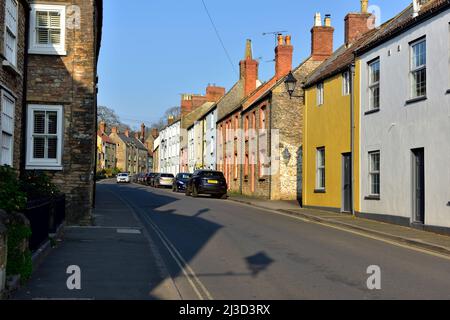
(110, 117)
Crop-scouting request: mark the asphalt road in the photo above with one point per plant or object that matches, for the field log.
(219, 249)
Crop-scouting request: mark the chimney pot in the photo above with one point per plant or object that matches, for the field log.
(127, 133)
(327, 20)
(364, 6)
(317, 20)
(114, 130)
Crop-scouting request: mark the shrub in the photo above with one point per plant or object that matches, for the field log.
(38, 185)
(12, 198)
(19, 260)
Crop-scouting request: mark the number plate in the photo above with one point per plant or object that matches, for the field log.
(213, 181)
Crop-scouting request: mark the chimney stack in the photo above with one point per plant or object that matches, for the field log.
(142, 132)
(321, 38)
(155, 133)
(127, 133)
(115, 130)
(357, 24)
(171, 120)
(136, 136)
(213, 93)
(102, 127)
(249, 70)
(283, 56)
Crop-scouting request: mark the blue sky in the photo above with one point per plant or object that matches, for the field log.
(154, 50)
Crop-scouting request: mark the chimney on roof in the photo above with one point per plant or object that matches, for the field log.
(115, 130)
(283, 56)
(249, 69)
(171, 120)
(142, 137)
(186, 104)
(102, 127)
(214, 93)
(136, 136)
(357, 24)
(127, 133)
(417, 6)
(321, 38)
(155, 133)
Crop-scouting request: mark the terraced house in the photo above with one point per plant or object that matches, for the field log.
(229, 154)
(273, 121)
(405, 127)
(13, 22)
(63, 48)
(331, 157)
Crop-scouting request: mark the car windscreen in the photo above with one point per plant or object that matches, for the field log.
(123, 175)
(211, 174)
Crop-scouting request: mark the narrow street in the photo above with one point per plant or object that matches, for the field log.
(216, 249)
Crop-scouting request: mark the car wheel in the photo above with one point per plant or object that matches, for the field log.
(194, 192)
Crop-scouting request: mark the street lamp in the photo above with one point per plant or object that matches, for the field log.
(291, 84)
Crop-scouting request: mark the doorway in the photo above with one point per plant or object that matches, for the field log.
(347, 182)
(418, 185)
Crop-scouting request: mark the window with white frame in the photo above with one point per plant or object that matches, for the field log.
(374, 173)
(346, 83)
(320, 94)
(47, 34)
(320, 171)
(419, 68)
(8, 105)
(11, 30)
(44, 137)
(374, 85)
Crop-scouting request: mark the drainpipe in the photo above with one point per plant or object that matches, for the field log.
(269, 137)
(352, 132)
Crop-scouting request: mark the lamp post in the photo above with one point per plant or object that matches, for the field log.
(291, 84)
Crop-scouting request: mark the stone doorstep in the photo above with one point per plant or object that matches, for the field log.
(409, 241)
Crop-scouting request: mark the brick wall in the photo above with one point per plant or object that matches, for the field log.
(70, 81)
(13, 82)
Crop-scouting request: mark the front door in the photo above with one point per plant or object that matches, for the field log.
(419, 185)
(346, 182)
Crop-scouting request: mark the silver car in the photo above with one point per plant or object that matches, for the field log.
(164, 180)
(123, 178)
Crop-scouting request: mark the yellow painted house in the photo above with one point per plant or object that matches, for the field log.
(330, 145)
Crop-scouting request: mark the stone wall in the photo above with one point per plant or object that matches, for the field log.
(287, 117)
(12, 81)
(70, 81)
(3, 253)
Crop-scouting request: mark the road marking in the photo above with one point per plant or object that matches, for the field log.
(182, 264)
(128, 231)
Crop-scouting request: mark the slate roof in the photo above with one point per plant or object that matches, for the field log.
(133, 141)
(343, 57)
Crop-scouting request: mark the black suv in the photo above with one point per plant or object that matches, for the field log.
(180, 181)
(207, 182)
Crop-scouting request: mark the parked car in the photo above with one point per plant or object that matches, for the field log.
(123, 178)
(164, 180)
(180, 181)
(207, 182)
(148, 178)
(152, 179)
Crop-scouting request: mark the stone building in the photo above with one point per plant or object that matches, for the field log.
(13, 23)
(106, 150)
(131, 153)
(61, 115)
(273, 123)
(149, 143)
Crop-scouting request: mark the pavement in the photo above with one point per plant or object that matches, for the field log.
(116, 256)
(155, 244)
(413, 237)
